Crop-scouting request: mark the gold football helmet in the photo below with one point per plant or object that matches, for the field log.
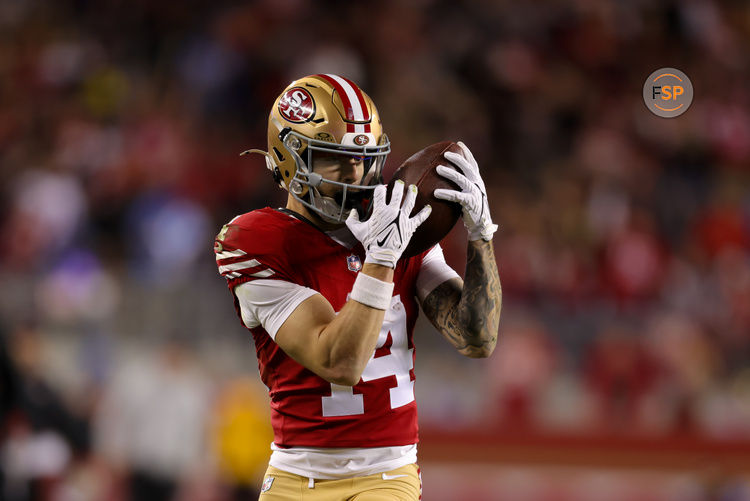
(331, 114)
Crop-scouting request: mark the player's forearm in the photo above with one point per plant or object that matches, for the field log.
(478, 310)
(467, 313)
(351, 336)
(351, 340)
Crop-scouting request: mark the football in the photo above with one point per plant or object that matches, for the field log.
(420, 170)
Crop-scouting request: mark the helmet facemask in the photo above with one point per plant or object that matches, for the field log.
(305, 184)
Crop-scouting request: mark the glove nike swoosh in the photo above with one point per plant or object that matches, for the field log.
(386, 233)
(390, 232)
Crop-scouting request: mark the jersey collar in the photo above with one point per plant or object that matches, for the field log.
(341, 236)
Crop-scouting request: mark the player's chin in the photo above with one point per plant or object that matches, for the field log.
(352, 199)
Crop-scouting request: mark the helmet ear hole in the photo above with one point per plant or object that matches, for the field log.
(279, 156)
(277, 175)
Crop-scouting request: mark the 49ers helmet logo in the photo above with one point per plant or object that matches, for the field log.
(297, 105)
(361, 139)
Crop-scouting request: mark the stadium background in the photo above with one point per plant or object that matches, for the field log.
(622, 367)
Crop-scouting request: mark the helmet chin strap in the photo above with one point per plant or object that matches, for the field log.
(328, 206)
(334, 208)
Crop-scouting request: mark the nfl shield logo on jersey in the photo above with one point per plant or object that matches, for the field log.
(353, 263)
(267, 483)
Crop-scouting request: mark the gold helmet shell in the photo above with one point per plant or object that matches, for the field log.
(326, 113)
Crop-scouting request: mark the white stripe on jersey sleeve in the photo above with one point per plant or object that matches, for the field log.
(228, 254)
(269, 302)
(231, 270)
(252, 263)
(434, 271)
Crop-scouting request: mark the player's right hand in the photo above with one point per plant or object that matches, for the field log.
(472, 196)
(389, 228)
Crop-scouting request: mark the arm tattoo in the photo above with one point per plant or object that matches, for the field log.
(468, 316)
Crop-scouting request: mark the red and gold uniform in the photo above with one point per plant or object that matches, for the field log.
(306, 409)
(324, 430)
(343, 441)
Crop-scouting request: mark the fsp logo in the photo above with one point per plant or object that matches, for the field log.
(668, 92)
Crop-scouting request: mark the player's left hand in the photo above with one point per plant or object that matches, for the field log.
(473, 194)
(386, 233)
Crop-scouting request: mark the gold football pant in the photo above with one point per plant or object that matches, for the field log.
(401, 484)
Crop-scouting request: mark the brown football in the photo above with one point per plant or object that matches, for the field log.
(420, 169)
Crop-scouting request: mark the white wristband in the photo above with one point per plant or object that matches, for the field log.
(372, 292)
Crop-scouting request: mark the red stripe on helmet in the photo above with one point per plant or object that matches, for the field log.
(345, 97)
(360, 97)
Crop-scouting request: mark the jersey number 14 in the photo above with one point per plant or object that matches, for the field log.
(399, 362)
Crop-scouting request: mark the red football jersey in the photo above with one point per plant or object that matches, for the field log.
(307, 410)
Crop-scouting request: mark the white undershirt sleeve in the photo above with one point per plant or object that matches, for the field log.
(434, 271)
(269, 302)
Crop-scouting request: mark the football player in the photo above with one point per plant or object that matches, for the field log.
(332, 305)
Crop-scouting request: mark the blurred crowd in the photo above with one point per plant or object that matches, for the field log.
(624, 248)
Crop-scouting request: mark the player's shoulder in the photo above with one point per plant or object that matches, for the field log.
(259, 219)
(253, 245)
(261, 227)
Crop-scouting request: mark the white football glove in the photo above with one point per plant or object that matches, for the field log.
(473, 194)
(389, 228)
